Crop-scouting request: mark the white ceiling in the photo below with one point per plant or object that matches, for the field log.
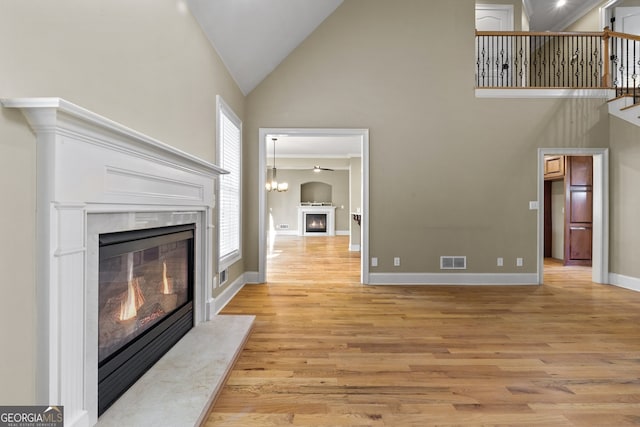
(315, 147)
(544, 15)
(253, 36)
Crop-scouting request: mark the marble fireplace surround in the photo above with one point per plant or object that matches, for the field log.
(95, 176)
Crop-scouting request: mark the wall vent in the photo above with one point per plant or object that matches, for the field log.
(283, 226)
(223, 276)
(453, 263)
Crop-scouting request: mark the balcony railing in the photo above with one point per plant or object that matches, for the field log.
(578, 60)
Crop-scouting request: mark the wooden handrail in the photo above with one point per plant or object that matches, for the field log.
(605, 33)
(540, 33)
(623, 35)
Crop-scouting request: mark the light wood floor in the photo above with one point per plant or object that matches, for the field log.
(327, 351)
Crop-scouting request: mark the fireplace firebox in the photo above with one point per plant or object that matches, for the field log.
(316, 223)
(145, 302)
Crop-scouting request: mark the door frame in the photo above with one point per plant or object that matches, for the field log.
(600, 245)
(262, 195)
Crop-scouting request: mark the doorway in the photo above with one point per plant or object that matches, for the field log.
(362, 136)
(600, 220)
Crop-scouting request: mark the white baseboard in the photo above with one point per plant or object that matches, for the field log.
(286, 232)
(354, 248)
(228, 293)
(343, 232)
(452, 279)
(248, 277)
(627, 282)
(251, 277)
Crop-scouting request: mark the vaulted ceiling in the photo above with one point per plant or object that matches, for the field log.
(254, 36)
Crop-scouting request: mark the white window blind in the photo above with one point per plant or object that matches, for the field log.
(230, 158)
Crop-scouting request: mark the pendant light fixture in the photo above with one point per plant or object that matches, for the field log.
(272, 178)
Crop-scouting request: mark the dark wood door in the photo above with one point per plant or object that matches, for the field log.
(548, 221)
(578, 228)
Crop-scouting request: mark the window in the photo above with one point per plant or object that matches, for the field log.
(229, 207)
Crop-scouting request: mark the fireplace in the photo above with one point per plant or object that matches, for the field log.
(316, 220)
(145, 302)
(315, 223)
(95, 178)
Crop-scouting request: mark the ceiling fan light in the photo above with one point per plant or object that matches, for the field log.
(316, 169)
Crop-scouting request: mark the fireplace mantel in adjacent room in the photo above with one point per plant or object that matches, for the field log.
(95, 176)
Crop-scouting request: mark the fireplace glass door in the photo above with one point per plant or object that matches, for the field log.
(316, 223)
(145, 301)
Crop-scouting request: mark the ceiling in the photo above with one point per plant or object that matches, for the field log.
(544, 15)
(254, 36)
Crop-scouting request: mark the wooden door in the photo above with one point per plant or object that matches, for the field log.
(578, 210)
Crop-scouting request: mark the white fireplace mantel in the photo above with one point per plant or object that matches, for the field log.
(329, 211)
(93, 174)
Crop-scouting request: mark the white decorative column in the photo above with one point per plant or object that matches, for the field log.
(95, 176)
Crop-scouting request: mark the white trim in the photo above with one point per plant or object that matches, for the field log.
(626, 282)
(487, 279)
(534, 93)
(526, 7)
(290, 232)
(251, 278)
(228, 293)
(600, 253)
(605, 12)
(354, 248)
(262, 202)
(343, 233)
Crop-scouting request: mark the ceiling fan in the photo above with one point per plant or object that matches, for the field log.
(319, 169)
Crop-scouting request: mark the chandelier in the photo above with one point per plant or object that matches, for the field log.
(272, 180)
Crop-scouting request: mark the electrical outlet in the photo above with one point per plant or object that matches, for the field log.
(396, 261)
(374, 261)
(519, 262)
(500, 262)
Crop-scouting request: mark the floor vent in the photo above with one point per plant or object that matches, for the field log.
(453, 263)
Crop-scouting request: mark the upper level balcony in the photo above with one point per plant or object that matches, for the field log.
(596, 64)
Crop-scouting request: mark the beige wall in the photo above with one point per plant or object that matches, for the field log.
(284, 206)
(450, 174)
(625, 203)
(589, 22)
(145, 64)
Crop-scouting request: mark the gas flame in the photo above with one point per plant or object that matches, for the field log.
(129, 307)
(167, 285)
